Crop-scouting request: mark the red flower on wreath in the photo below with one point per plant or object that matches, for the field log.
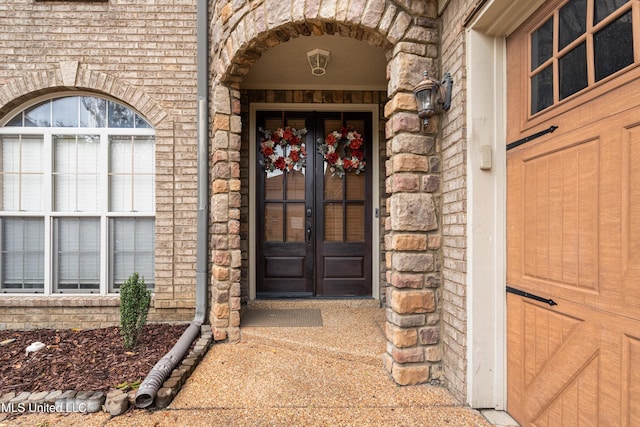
(267, 151)
(280, 163)
(283, 149)
(351, 162)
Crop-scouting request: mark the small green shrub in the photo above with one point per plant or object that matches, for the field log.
(135, 299)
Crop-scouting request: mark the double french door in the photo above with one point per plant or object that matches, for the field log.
(313, 218)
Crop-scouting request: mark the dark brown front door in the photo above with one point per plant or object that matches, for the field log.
(313, 225)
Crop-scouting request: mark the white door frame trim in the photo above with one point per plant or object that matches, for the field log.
(375, 205)
(486, 63)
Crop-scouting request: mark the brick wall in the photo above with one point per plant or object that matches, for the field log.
(454, 196)
(143, 53)
(75, 312)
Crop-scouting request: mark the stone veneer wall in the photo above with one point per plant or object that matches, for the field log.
(408, 31)
(143, 54)
(307, 97)
(454, 204)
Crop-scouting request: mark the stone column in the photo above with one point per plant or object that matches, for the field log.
(225, 214)
(412, 238)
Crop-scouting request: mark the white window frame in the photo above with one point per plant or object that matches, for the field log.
(48, 214)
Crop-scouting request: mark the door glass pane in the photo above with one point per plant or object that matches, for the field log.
(333, 222)
(295, 185)
(613, 46)
(573, 22)
(604, 8)
(296, 123)
(357, 125)
(354, 154)
(332, 185)
(330, 125)
(542, 44)
(542, 90)
(273, 218)
(274, 185)
(355, 186)
(355, 223)
(573, 71)
(295, 222)
(272, 124)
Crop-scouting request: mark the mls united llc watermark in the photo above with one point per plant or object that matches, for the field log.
(30, 407)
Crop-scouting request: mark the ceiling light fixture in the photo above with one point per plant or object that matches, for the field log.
(318, 59)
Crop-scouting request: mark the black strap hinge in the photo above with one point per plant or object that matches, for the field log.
(530, 137)
(531, 296)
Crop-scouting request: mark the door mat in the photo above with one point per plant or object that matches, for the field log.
(282, 318)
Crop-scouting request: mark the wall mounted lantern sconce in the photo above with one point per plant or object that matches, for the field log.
(429, 93)
(318, 59)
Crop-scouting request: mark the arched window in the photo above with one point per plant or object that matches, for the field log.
(77, 212)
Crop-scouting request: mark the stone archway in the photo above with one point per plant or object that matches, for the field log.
(412, 263)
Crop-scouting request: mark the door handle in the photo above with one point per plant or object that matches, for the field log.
(308, 234)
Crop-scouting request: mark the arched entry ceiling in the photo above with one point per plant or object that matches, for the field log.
(354, 65)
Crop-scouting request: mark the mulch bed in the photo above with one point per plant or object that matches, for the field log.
(93, 359)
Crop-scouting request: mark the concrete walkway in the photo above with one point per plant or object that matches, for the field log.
(297, 376)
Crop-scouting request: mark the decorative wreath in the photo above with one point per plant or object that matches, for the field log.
(351, 143)
(283, 149)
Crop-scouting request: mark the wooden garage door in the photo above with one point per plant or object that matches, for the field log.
(574, 216)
